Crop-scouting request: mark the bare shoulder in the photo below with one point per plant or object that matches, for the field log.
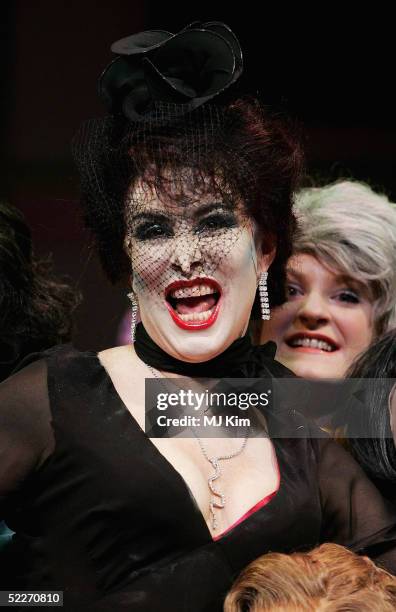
(117, 355)
(128, 374)
(122, 361)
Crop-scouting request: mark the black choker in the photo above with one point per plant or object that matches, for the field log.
(240, 360)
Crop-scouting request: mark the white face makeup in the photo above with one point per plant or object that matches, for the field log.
(195, 272)
(325, 324)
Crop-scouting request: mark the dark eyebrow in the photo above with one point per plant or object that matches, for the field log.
(198, 211)
(205, 209)
(152, 216)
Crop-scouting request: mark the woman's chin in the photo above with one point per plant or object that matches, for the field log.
(199, 349)
(191, 343)
(196, 346)
(312, 366)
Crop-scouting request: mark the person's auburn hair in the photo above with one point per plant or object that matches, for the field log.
(256, 156)
(330, 578)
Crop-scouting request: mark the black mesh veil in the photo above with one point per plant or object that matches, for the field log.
(160, 184)
(210, 174)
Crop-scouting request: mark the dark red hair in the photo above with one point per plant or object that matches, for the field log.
(253, 154)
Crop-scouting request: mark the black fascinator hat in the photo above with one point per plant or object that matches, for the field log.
(188, 68)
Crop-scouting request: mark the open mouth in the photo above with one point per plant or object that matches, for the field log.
(193, 304)
(311, 343)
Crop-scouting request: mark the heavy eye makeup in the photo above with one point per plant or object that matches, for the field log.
(208, 219)
(152, 226)
(218, 219)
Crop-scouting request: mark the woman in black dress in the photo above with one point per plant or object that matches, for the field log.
(35, 307)
(196, 200)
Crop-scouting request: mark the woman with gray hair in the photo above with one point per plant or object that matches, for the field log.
(341, 280)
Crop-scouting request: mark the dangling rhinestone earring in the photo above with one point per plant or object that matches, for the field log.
(264, 302)
(135, 308)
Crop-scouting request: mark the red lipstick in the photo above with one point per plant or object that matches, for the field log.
(193, 325)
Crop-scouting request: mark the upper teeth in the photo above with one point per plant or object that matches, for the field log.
(194, 291)
(312, 343)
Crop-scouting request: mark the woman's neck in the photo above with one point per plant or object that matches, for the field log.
(229, 361)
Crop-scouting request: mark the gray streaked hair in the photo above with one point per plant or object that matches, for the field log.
(351, 228)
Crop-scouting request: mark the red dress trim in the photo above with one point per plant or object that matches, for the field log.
(255, 508)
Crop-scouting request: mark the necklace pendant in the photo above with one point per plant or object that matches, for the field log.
(219, 503)
(215, 462)
(218, 499)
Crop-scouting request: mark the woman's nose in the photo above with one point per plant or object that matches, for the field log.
(186, 254)
(314, 311)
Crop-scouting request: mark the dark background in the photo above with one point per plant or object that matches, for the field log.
(331, 71)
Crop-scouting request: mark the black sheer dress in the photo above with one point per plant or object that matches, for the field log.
(100, 514)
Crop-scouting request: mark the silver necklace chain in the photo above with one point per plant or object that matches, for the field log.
(218, 499)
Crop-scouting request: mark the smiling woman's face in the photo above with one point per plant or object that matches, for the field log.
(325, 323)
(195, 271)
